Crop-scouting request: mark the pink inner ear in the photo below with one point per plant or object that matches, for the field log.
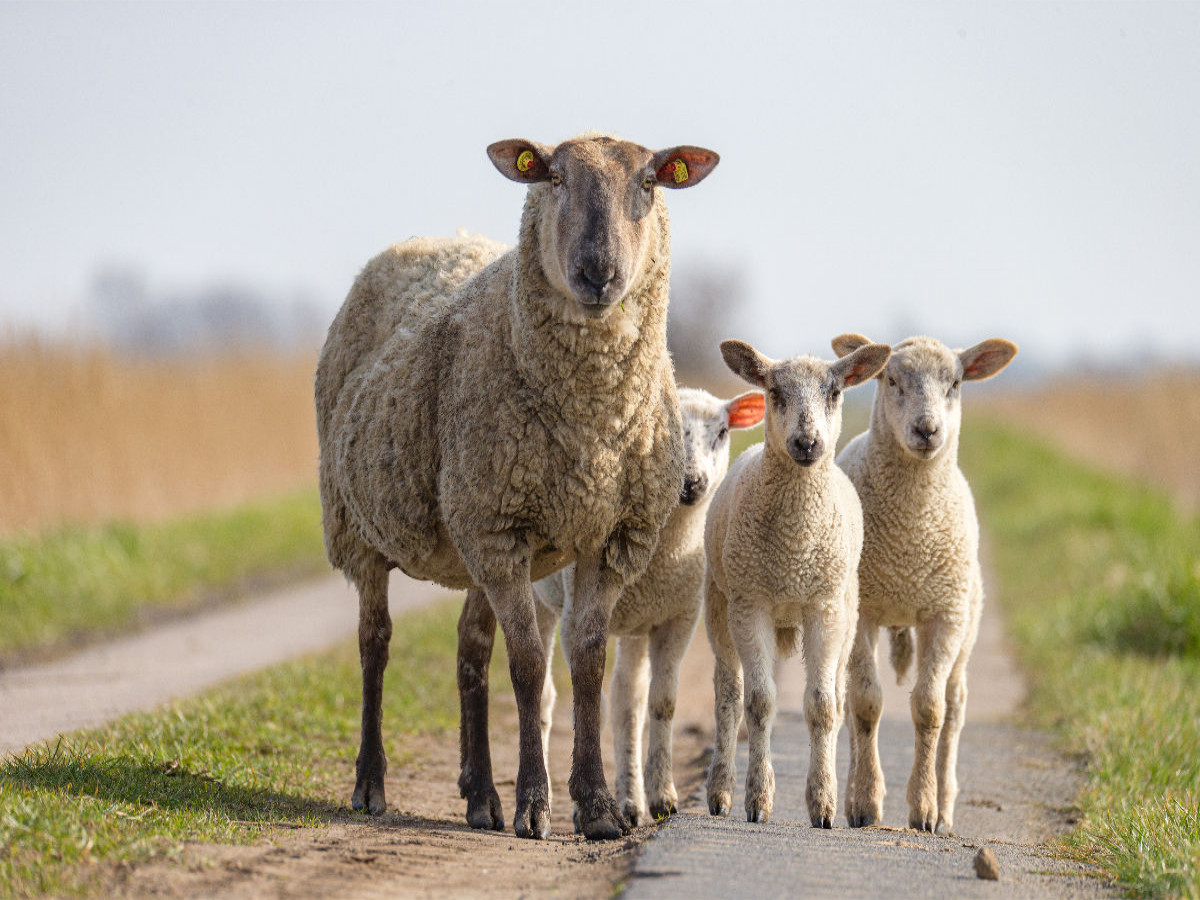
(989, 362)
(747, 410)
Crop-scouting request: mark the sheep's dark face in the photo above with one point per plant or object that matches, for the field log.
(707, 422)
(804, 395)
(920, 390)
(597, 230)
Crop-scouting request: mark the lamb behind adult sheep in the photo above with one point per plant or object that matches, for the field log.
(782, 542)
(919, 569)
(486, 418)
(657, 614)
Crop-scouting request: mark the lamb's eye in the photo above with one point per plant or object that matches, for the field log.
(834, 395)
(953, 388)
(891, 381)
(722, 433)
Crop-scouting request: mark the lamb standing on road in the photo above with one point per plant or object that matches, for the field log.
(485, 421)
(782, 541)
(919, 569)
(656, 615)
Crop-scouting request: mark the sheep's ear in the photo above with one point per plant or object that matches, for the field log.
(864, 363)
(845, 344)
(681, 167)
(986, 358)
(747, 410)
(520, 160)
(746, 362)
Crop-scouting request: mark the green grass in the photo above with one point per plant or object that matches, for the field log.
(80, 583)
(1101, 583)
(276, 747)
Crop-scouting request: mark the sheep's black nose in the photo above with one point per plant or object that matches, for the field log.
(804, 450)
(597, 275)
(925, 431)
(693, 490)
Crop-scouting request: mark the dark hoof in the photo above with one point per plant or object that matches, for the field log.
(532, 820)
(919, 825)
(599, 818)
(822, 821)
(633, 815)
(369, 796)
(662, 810)
(942, 829)
(720, 803)
(861, 821)
(759, 815)
(484, 811)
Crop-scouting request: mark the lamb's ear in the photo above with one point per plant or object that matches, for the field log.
(521, 160)
(681, 167)
(746, 362)
(986, 358)
(747, 410)
(864, 363)
(845, 344)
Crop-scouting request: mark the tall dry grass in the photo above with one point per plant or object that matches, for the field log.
(86, 436)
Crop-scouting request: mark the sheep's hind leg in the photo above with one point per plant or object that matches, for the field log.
(865, 786)
(947, 752)
(514, 606)
(727, 702)
(668, 644)
(631, 676)
(585, 636)
(370, 576)
(476, 635)
(824, 638)
(754, 636)
(938, 645)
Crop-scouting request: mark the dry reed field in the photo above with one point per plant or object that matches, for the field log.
(1146, 426)
(87, 436)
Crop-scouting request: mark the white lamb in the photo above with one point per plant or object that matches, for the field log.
(486, 418)
(782, 542)
(919, 568)
(655, 616)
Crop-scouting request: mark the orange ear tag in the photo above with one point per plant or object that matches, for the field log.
(681, 172)
(525, 161)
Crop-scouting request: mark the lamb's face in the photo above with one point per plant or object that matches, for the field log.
(707, 422)
(921, 387)
(597, 230)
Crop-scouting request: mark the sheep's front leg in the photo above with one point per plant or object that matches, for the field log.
(514, 607)
(754, 636)
(938, 645)
(865, 786)
(585, 637)
(476, 635)
(631, 677)
(374, 635)
(668, 644)
(727, 701)
(824, 637)
(947, 752)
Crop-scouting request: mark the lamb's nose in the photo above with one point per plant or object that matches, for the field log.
(693, 489)
(926, 430)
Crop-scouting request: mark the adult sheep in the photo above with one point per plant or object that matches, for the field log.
(486, 418)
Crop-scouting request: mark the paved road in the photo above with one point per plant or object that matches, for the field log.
(1015, 791)
(183, 657)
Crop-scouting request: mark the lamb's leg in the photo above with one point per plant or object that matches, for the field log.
(476, 635)
(668, 644)
(370, 576)
(515, 610)
(824, 637)
(727, 701)
(865, 786)
(631, 678)
(585, 634)
(938, 645)
(754, 637)
(947, 753)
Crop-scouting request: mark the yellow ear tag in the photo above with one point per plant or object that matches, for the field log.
(525, 161)
(681, 172)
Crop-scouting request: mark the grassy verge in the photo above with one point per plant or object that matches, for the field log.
(1101, 581)
(72, 583)
(276, 747)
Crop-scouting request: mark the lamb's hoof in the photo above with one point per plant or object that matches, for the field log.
(369, 795)
(921, 823)
(862, 820)
(664, 808)
(532, 820)
(633, 813)
(943, 828)
(484, 810)
(598, 818)
(822, 821)
(759, 815)
(720, 803)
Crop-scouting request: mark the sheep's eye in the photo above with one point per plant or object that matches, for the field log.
(648, 182)
(953, 388)
(722, 433)
(555, 178)
(773, 393)
(891, 381)
(834, 395)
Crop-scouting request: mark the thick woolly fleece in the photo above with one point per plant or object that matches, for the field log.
(466, 426)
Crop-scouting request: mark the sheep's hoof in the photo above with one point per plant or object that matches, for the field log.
(862, 820)
(720, 803)
(921, 823)
(532, 820)
(822, 821)
(369, 795)
(484, 810)
(943, 828)
(598, 818)
(664, 808)
(760, 815)
(633, 813)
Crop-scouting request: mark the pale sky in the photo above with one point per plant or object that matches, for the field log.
(1024, 170)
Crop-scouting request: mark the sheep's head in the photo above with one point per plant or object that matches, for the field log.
(596, 228)
(919, 392)
(804, 394)
(707, 422)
